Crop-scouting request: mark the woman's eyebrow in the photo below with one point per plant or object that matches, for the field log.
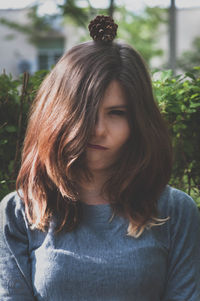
(117, 107)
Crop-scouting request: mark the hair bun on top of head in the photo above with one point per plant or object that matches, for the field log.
(103, 28)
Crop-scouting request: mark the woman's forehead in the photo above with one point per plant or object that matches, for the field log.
(114, 96)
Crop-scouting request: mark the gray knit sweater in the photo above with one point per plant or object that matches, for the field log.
(98, 261)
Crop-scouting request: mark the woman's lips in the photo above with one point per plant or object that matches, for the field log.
(95, 146)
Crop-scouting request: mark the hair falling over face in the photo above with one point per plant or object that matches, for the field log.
(61, 122)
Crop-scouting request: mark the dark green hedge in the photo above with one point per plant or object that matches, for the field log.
(178, 98)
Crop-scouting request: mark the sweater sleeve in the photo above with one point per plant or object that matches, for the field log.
(15, 268)
(183, 280)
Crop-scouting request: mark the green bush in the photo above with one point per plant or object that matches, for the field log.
(15, 99)
(178, 98)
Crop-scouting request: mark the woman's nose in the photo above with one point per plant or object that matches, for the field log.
(100, 126)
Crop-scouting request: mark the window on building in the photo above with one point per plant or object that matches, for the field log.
(49, 52)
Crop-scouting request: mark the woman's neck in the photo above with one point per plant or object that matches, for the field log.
(91, 191)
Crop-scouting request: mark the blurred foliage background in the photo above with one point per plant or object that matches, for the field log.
(139, 30)
(178, 98)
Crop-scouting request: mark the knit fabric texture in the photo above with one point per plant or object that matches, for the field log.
(98, 261)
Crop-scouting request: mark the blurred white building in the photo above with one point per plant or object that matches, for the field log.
(187, 29)
(17, 54)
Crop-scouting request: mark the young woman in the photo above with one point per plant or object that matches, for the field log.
(94, 218)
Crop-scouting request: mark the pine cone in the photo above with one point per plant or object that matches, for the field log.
(103, 28)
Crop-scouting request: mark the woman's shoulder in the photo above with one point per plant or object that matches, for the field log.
(12, 207)
(175, 202)
(12, 199)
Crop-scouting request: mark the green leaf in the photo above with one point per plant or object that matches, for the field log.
(3, 141)
(190, 74)
(11, 128)
(166, 75)
(194, 105)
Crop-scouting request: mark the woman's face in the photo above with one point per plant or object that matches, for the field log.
(111, 131)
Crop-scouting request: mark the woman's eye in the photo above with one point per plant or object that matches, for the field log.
(117, 112)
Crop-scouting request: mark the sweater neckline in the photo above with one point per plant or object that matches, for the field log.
(100, 213)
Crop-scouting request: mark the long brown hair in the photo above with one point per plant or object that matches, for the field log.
(61, 122)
